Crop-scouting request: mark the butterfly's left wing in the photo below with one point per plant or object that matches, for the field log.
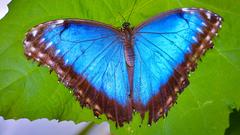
(88, 57)
(166, 49)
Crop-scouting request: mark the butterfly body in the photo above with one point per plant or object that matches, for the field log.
(128, 40)
(129, 52)
(115, 71)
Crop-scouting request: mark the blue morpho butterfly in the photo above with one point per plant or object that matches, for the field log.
(118, 71)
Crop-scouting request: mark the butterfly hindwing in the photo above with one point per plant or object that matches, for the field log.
(89, 58)
(166, 49)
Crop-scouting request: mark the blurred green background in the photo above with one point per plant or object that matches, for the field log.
(28, 91)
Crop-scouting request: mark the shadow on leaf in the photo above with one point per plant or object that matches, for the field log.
(234, 121)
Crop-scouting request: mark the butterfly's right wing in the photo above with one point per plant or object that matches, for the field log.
(167, 48)
(89, 58)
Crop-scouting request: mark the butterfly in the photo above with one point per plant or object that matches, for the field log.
(117, 71)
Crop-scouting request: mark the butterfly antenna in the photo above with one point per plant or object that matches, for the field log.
(122, 16)
(132, 10)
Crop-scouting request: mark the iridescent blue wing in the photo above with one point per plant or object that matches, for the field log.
(166, 49)
(89, 58)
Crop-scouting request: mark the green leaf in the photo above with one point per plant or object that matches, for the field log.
(87, 129)
(28, 91)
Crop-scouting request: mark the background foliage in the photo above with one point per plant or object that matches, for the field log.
(27, 91)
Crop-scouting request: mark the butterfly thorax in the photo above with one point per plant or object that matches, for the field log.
(128, 43)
